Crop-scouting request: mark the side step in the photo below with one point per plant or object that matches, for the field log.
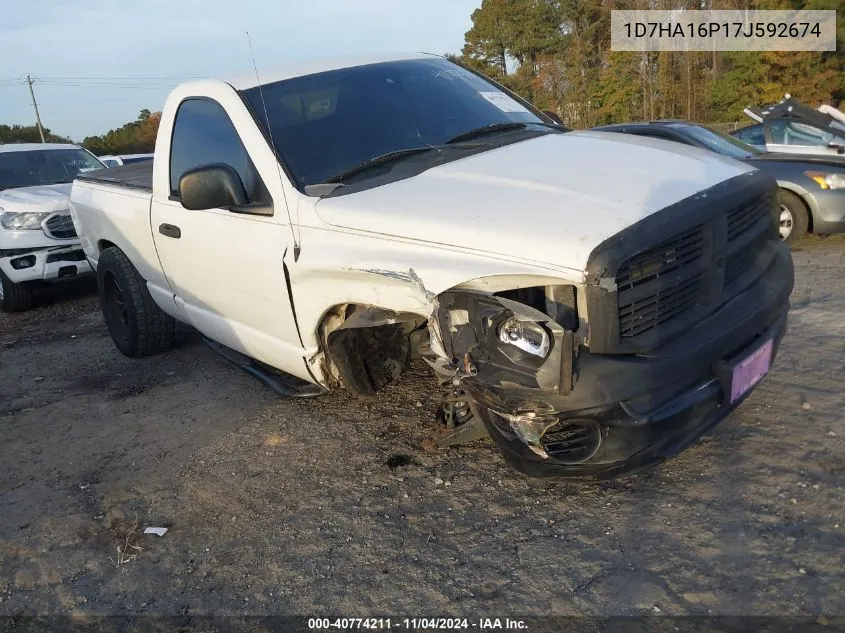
(283, 384)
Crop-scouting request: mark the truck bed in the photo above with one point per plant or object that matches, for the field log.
(135, 176)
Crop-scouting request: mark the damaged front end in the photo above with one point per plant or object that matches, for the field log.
(514, 353)
(633, 365)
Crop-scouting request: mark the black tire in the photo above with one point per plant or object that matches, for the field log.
(794, 217)
(137, 325)
(14, 297)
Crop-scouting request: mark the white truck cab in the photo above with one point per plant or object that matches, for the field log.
(38, 242)
(593, 302)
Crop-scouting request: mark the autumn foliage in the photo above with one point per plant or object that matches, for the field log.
(556, 53)
(135, 137)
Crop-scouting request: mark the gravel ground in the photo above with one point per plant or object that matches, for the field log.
(329, 506)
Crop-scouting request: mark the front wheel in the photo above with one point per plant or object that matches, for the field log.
(14, 297)
(137, 325)
(794, 218)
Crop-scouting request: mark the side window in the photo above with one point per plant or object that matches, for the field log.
(793, 133)
(753, 135)
(204, 134)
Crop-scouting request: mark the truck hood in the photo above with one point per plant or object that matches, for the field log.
(548, 200)
(42, 198)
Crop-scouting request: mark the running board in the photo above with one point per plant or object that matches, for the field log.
(280, 382)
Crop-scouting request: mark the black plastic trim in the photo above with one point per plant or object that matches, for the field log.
(708, 209)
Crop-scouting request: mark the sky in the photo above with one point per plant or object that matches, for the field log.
(97, 63)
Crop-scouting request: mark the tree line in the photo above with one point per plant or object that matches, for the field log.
(556, 53)
(28, 134)
(135, 137)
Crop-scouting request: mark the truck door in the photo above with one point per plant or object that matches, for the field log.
(226, 268)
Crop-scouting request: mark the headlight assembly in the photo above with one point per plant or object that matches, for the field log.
(22, 221)
(528, 336)
(827, 181)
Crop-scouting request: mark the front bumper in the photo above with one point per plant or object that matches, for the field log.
(46, 264)
(629, 441)
(636, 410)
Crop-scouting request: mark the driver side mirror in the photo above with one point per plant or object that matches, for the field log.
(215, 186)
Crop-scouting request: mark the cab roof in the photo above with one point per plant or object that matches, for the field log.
(300, 68)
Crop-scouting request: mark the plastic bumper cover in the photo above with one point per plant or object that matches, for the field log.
(45, 265)
(631, 412)
(829, 213)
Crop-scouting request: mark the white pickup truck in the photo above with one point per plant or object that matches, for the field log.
(593, 302)
(37, 240)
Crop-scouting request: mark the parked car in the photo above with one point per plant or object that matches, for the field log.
(124, 159)
(576, 294)
(38, 242)
(791, 127)
(812, 187)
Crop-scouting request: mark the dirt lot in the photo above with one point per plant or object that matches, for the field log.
(277, 506)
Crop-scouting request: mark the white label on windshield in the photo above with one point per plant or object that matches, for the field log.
(503, 102)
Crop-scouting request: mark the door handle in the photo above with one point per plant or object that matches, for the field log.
(169, 230)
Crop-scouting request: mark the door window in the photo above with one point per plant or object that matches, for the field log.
(203, 134)
(793, 133)
(753, 135)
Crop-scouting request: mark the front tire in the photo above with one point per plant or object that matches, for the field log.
(14, 297)
(137, 325)
(794, 218)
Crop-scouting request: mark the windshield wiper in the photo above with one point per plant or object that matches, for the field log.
(379, 160)
(493, 128)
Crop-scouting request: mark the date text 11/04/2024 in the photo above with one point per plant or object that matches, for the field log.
(326, 624)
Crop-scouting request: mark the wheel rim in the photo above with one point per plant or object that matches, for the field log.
(786, 222)
(115, 303)
(1, 291)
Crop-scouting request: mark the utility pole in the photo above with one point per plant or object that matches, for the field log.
(35, 105)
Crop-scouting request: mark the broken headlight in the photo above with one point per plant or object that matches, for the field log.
(526, 335)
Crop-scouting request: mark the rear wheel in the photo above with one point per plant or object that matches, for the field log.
(14, 297)
(794, 218)
(137, 325)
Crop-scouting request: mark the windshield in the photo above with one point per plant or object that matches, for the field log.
(44, 166)
(327, 123)
(719, 141)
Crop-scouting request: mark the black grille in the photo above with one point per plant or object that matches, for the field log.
(69, 256)
(663, 275)
(746, 216)
(641, 316)
(678, 276)
(60, 227)
(738, 263)
(659, 284)
(660, 261)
